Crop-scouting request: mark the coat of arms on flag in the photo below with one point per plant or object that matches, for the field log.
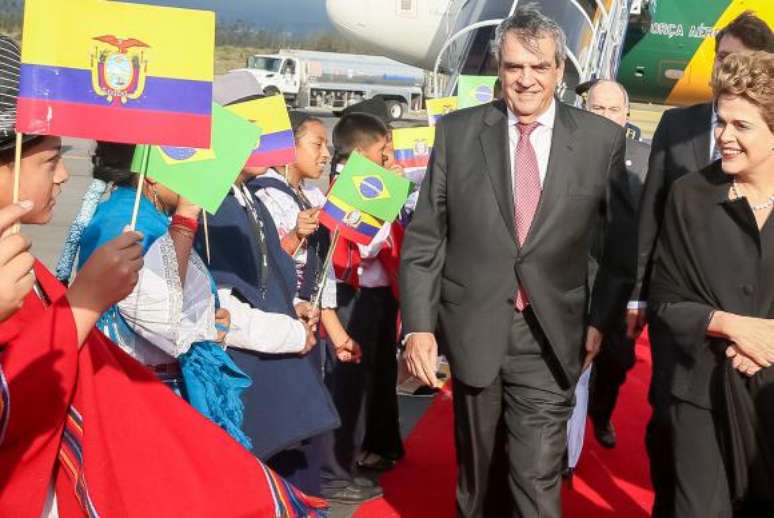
(362, 199)
(118, 68)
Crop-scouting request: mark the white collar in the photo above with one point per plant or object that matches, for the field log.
(545, 119)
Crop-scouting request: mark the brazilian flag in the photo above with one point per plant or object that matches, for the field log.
(475, 90)
(371, 188)
(204, 176)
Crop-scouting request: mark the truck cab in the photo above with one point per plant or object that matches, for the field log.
(276, 74)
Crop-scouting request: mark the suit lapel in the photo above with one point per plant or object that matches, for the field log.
(494, 143)
(559, 163)
(701, 142)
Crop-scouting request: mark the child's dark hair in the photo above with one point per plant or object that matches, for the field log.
(352, 131)
(299, 120)
(113, 162)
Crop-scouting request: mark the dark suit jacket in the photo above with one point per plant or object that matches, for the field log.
(461, 260)
(637, 154)
(681, 144)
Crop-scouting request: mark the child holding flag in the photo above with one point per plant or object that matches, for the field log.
(85, 430)
(287, 405)
(367, 305)
(294, 207)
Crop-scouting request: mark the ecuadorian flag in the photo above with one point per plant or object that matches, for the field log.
(437, 108)
(353, 224)
(277, 145)
(118, 72)
(413, 146)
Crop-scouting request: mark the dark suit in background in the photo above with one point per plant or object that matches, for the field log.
(681, 144)
(617, 355)
(460, 265)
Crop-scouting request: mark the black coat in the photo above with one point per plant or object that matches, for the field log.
(710, 256)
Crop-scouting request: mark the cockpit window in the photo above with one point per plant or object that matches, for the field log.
(264, 63)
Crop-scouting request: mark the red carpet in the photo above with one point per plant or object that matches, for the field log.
(607, 483)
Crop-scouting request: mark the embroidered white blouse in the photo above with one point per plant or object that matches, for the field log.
(284, 211)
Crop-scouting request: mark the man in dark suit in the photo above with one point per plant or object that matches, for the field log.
(495, 265)
(682, 143)
(609, 99)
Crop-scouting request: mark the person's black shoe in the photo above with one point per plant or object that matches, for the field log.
(354, 493)
(605, 434)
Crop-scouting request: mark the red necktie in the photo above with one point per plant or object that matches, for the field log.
(527, 189)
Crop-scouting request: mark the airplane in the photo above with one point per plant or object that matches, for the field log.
(661, 50)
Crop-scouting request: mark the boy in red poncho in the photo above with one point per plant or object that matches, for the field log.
(85, 430)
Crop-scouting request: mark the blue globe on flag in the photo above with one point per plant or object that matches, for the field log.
(483, 93)
(178, 153)
(371, 187)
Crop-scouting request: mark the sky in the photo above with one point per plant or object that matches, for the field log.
(290, 15)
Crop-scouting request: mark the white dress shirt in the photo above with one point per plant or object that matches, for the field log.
(540, 138)
(371, 272)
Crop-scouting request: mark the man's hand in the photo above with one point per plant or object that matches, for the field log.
(421, 357)
(635, 322)
(741, 362)
(16, 275)
(593, 345)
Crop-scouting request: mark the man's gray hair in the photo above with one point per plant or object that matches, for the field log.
(528, 24)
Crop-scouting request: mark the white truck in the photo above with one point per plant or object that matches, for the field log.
(334, 81)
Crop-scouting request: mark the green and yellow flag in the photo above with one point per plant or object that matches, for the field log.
(204, 176)
(475, 90)
(371, 188)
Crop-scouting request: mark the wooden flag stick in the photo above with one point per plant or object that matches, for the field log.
(326, 265)
(140, 184)
(206, 235)
(17, 176)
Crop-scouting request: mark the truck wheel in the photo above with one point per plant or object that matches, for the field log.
(396, 109)
(270, 91)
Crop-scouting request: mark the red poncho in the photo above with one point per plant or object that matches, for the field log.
(115, 441)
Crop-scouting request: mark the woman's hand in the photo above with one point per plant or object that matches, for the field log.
(741, 362)
(307, 223)
(16, 262)
(753, 337)
(222, 324)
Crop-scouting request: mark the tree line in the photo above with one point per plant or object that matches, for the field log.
(228, 34)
